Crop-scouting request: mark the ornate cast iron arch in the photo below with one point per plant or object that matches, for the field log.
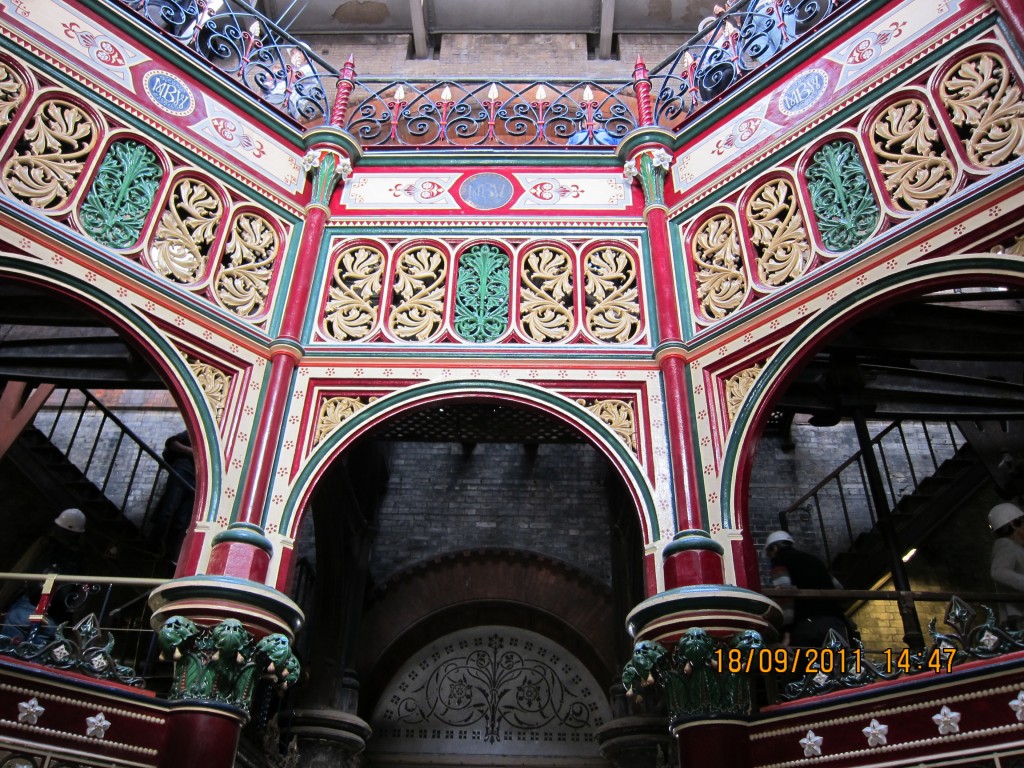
(598, 434)
(972, 268)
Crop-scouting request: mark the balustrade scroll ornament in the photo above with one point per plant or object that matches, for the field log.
(720, 273)
(327, 168)
(845, 209)
(617, 414)
(121, 196)
(51, 155)
(650, 168)
(736, 388)
(779, 234)
(354, 295)
(481, 294)
(914, 163)
(610, 286)
(81, 648)
(695, 681)
(243, 282)
(546, 294)
(334, 411)
(420, 277)
(224, 663)
(180, 248)
(12, 93)
(214, 383)
(984, 101)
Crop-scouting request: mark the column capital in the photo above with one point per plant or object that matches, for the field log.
(650, 165)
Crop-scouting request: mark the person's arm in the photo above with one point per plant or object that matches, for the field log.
(782, 580)
(1004, 560)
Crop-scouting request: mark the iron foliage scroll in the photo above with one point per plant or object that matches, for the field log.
(485, 113)
(729, 44)
(235, 38)
(81, 648)
(973, 636)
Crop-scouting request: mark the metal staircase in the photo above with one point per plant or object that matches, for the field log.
(940, 475)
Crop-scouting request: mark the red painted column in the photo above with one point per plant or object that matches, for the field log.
(649, 161)
(242, 551)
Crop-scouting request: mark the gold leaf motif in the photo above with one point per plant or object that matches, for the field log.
(51, 154)
(546, 295)
(334, 411)
(420, 276)
(721, 275)
(983, 98)
(916, 169)
(617, 414)
(354, 297)
(736, 388)
(214, 383)
(12, 94)
(778, 233)
(244, 280)
(180, 248)
(609, 282)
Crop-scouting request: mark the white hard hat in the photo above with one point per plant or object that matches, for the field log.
(1003, 514)
(775, 537)
(71, 520)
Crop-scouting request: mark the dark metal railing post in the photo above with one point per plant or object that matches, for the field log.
(912, 634)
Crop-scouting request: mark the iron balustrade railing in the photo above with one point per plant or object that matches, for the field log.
(257, 53)
(104, 608)
(236, 39)
(840, 506)
(129, 473)
(478, 112)
(729, 44)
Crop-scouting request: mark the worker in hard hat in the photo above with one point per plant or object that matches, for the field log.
(58, 551)
(806, 621)
(1007, 566)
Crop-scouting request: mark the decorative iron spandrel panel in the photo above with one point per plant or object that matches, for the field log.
(493, 691)
(180, 248)
(481, 293)
(13, 92)
(121, 196)
(353, 302)
(242, 284)
(546, 294)
(983, 98)
(49, 159)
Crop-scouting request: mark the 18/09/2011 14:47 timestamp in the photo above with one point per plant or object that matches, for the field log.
(811, 661)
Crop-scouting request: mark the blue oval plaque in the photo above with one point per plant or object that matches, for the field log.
(802, 94)
(486, 191)
(169, 92)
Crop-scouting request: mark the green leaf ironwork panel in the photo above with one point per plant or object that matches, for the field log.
(844, 206)
(481, 294)
(121, 197)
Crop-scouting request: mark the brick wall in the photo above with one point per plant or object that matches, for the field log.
(440, 499)
(561, 56)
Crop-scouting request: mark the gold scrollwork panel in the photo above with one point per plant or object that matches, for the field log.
(718, 265)
(334, 411)
(420, 277)
(13, 91)
(912, 157)
(610, 286)
(180, 247)
(243, 282)
(50, 156)
(215, 385)
(736, 388)
(546, 294)
(353, 301)
(617, 414)
(778, 233)
(984, 101)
